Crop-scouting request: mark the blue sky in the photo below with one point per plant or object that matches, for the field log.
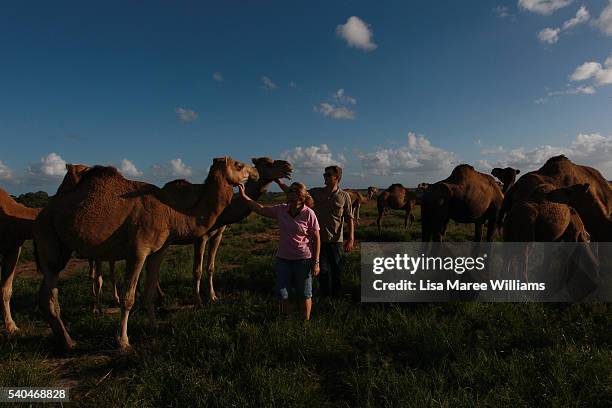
(399, 93)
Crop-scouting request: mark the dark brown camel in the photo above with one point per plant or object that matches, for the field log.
(396, 197)
(466, 196)
(558, 172)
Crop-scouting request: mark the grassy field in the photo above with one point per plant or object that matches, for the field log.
(239, 352)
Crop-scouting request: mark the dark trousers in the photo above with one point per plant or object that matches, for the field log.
(331, 264)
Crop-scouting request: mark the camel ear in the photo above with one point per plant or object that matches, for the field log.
(517, 171)
(254, 160)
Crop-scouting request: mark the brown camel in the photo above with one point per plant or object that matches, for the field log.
(588, 205)
(506, 175)
(16, 221)
(559, 171)
(396, 197)
(372, 192)
(268, 170)
(109, 218)
(356, 200)
(466, 196)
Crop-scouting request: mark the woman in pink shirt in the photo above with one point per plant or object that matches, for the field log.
(297, 257)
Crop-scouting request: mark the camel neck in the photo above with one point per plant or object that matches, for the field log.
(256, 188)
(216, 195)
(595, 218)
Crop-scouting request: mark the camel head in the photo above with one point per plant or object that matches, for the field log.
(507, 176)
(570, 195)
(423, 186)
(74, 172)
(234, 171)
(270, 170)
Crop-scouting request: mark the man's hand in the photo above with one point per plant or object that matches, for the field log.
(348, 245)
(315, 269)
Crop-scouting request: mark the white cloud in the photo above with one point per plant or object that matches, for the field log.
(312, 159)
(602, 75)
(6, 174)
(341, 97)
(334, 111)
(549, 35)
(186, 115)
(292, 85)
(545, 7)
(492, 150)
(591, 149)
(604, 22)
(50, 166)
(582, 16)
(129, 169)
(217, 76)
(501, 11)
(173, 168)
(357, 34)
(268, 84)
(419, 155)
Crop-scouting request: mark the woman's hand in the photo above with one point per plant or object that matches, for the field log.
(242, 193)
(315, 268)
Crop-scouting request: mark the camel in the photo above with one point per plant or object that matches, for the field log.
(108, 218)
(16, 221)
(396, 197)
(507, 176)
(559, 171)
(372, 192)
(588, 206)
(268, 170)
(356, 200)
(466, 196)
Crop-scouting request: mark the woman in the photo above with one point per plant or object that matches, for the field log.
(297, 257)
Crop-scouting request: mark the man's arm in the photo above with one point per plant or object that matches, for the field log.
(348, 217)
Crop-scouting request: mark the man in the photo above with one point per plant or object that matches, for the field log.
(332, 207)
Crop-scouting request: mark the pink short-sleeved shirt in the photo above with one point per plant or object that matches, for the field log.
(296, 234)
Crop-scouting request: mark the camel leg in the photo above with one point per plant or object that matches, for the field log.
(381, 212)
(210, 262)
(478, 231)
(111, 267)
(356, 210)
(9, 264)
(491, 226)
(406, 218)
(48, 295)
(198, 258)
(133, 268)
(97, 282)
(152, 283)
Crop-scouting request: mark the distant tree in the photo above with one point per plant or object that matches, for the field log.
(33, 200)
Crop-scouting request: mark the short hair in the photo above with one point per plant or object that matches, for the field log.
(337, 171)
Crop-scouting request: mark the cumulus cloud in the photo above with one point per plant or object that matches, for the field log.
(419, 155)
(217, 76)
(600, 74)
(129, 169)
(50, 166)
(604, 22)
(583, 89)
(268, 84)
(312, 159)
(173, 168)
(186, 115)
(334, 111)
(592, 149)
(492, 150)
(357, 34)
(545, 7)
(342, 97)
(551, 35)
(6, 174)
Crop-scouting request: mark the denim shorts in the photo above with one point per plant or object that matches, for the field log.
(294, 273)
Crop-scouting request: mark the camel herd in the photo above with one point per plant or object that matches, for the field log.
(102, 216)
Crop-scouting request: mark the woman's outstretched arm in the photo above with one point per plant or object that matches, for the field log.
(253, 205)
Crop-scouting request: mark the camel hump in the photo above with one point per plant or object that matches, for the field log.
(177, 183)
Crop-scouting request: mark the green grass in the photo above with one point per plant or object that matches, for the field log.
(239, 352)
